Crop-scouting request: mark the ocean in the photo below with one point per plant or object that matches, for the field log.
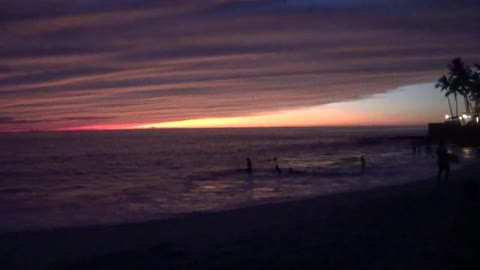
(52, 180)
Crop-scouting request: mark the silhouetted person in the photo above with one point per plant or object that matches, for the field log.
(443, 161)
(277, 168)
(362, 161)
(249, 166)
(414, 148)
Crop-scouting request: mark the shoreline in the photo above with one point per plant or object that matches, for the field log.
(312, 224)
(465, 164)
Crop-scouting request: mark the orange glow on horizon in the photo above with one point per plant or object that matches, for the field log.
(390, 109)
(300, 118)
(296, 118)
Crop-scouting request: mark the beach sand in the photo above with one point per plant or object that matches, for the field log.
(413, 226)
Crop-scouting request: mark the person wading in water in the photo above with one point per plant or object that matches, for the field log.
(249, 166)
(443, 161)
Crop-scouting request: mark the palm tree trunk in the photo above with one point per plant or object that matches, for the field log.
(467, 107)
(450, 106)
(456, 105)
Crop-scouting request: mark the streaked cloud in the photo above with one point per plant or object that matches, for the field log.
(90, 63)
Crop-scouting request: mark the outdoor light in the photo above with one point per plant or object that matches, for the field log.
(476, 118)
(447, 116)
(464, 116)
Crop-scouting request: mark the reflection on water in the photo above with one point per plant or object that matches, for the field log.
(116, 177)
(467, 152)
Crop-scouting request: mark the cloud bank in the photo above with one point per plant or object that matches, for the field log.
(82, 63)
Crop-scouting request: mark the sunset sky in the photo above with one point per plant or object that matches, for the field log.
(95, 64)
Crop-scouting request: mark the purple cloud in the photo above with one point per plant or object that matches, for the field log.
(129, 61)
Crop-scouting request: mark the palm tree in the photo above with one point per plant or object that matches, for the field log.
(444, 85)
(461, 80)
(475, 87)
(459, 77)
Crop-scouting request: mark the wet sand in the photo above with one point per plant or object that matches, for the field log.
(414, 226)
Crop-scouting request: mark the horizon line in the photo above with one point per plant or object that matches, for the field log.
(80, 129)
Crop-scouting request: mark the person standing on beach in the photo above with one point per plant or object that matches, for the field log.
(442, 160)
(362, 161)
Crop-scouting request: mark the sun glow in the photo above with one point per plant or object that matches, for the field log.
(393, 108)
(200, 123)
(297, 118)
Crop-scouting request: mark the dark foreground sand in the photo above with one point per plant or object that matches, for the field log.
(414, 226)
